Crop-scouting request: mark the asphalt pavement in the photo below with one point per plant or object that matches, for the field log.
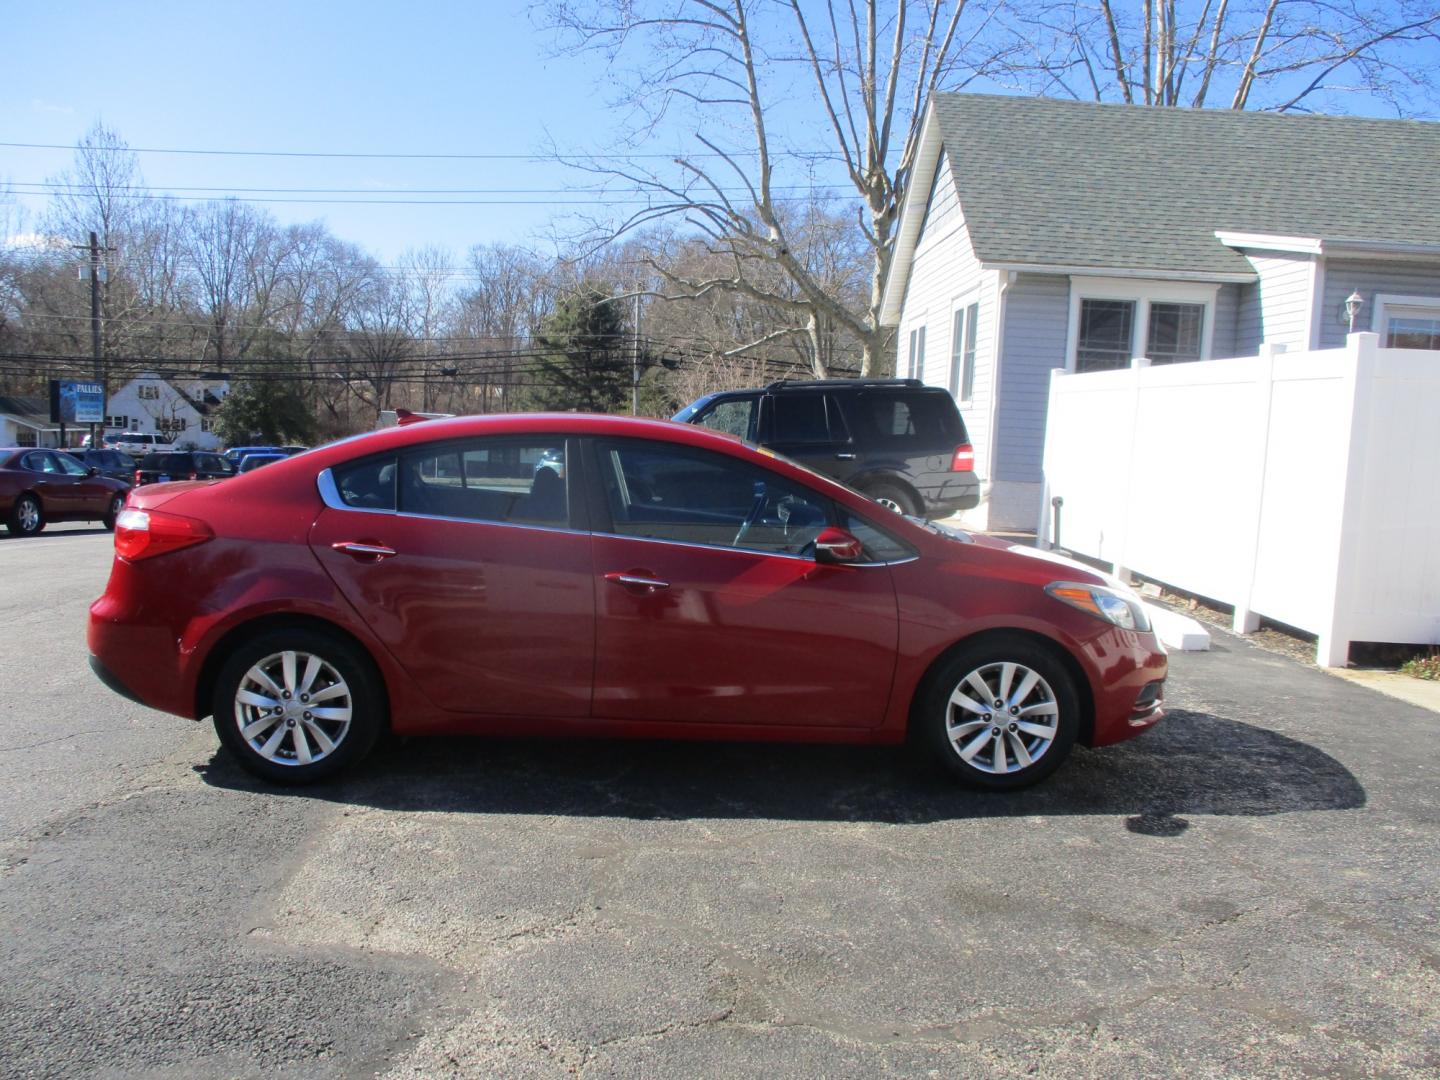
(1248, 890)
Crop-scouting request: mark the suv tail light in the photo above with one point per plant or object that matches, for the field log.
(193, 476)
(143, 534)
(137, 477)
(964, 459)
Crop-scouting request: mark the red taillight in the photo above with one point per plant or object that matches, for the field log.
(143, 534)
(193, 475)
(137, 476)
(964, 459)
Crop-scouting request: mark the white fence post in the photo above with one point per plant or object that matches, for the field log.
(1333, 648)
(1246, 621)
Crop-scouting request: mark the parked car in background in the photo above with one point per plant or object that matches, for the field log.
(293, 450)
(235, 453)
(667, 581)
(181, 465)
(40, 486)
(138, 443)
(251, 462)
(111, 463)
(898, 441)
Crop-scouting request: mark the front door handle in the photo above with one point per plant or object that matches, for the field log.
(845, 455)
(363, 552)
(636, 581)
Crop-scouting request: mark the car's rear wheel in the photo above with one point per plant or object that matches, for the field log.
(298, 705)
(26, 516)
(893, 497)
(1002, 713)
(117, 503)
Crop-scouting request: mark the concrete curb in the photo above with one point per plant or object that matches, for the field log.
(1178, 632)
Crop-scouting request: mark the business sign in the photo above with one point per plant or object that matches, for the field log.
(76, 402)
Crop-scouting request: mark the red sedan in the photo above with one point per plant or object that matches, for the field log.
(587, 575)
(40, 486)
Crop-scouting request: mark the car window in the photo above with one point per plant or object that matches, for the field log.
(926, 421)
(667, 492)
(734, 417)
(800, 418)
(210, 463)
(513, 480)
(69, 465)
(40, 462)
(367, 485)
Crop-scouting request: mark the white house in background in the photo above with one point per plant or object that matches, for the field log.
(1046, 234)
(182, 409)
(25, 421)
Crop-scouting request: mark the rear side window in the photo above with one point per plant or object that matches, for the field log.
(806, 418)
(507, 480)
(908, 421)
(367, 485)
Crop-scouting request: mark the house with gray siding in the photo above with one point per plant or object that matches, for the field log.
(1042, 234)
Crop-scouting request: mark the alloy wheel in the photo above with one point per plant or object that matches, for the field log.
(1002, 717)
(29, 514)
(293, 708)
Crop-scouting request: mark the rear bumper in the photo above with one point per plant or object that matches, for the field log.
(111, 680)
(947, 493)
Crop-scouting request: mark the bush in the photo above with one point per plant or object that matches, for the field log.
(1423, 667)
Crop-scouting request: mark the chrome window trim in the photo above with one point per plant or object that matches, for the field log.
(744, 550)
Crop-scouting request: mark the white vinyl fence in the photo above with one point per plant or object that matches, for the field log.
(1302, 487)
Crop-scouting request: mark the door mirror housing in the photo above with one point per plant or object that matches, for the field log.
(835, 546)
(92, 471)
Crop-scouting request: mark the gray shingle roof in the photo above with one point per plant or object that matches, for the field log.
(1080, 184)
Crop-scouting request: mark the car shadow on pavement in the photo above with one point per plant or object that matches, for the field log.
(1193, 763)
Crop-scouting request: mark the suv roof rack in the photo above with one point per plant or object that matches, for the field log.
(795, 384)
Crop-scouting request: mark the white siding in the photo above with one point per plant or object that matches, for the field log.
(1344, 276)
(146, 414)
(944, 275)
(1276, 309)
(1225, 343)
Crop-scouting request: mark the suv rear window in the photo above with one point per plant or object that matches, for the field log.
(166, 462)
(918, 420)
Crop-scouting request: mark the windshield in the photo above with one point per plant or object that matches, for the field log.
(684, 415)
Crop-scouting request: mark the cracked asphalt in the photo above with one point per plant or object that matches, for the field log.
(1249, 890)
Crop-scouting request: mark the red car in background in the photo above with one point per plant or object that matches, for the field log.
(40, 486)
(585, 575)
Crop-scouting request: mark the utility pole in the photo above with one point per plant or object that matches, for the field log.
(96, 349)
(635, 361)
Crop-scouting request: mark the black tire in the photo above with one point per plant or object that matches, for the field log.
(893, 496)
(117, 503)
(27, 516)
(285, 761)
(967, 749)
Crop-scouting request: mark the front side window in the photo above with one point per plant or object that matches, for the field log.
(734, 417)
(522, 481)
(1106, 333)
(663, 492)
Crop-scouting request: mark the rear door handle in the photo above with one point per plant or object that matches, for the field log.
(363, 552)
(636, 581)
(845, 456)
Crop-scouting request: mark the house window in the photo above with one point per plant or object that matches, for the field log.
(916, 366)
(1175, 332)
(1416, 331)
(1114, 320)
(207, 424)
(148, 392)
(176, 424)
(25, 437)
(121, 422)
(962, 352)
(1106, 331)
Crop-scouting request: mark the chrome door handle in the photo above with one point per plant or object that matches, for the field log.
(845, 456)
(357, 550)
(636, 581)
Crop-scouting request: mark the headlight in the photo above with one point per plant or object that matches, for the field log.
(1122, 608)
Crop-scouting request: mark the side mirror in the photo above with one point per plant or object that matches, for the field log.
(92, 471)
(834, 546)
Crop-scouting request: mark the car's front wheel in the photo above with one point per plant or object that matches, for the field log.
(117, 503)
(298, 705)
(26, 516)
(1002, 713)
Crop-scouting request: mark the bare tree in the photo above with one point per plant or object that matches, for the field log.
(1311, 55)
(742, 72)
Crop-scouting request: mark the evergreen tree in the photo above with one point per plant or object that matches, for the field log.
(270, 410)
(586, 360)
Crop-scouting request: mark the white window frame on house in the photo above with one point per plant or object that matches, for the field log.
(1389, 306)
(147, 392)
(915, 365)
(1142, 293)
(964, 347)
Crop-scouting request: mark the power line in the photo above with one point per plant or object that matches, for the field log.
(64, 188)
(552, 157)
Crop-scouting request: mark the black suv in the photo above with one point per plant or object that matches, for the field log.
(111, 463)
(181, 465)
(897, 440)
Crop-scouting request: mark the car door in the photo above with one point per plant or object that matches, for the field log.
(470, 562)
(807, 426)
(50, 482)
(709, 607)
(88, 495)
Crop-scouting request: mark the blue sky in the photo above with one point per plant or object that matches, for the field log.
(358, 77)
